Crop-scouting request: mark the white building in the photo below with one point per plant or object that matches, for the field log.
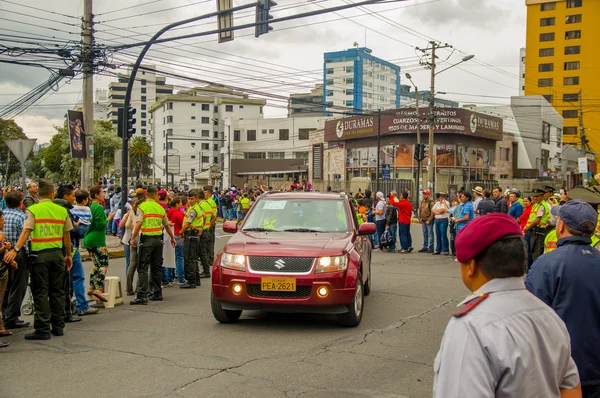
(100, 104)
(522, 53)
(147, 87)
(192, 124)
(536, 129)
(357, 80)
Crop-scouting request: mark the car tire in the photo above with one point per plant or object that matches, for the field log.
(367, 287)
(355, 309)
(221, 315)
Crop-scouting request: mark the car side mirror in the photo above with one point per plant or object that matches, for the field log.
(230, 227)
(367, 228)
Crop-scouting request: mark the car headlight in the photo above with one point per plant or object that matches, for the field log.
(233, 261)
(332, 264)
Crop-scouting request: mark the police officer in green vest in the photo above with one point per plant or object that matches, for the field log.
(49, 226)
(537, 223)
(191, 231)
(208, 191)
(204, 239)
(245, 205)
(151, 218)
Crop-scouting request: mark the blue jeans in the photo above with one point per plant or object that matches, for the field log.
(225, 213)
(126, 253)
(394, 232)
(81, 230)
(441, 234)
(427, 235)
(179, 270)
(79, 282)
(108, 224)
(168, 274)
(240, 215)
(380, 224)
(405, 237)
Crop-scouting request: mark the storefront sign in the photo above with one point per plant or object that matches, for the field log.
(405, 121)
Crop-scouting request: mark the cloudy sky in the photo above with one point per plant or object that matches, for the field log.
(288, 59)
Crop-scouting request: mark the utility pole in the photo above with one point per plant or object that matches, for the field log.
(167, 160)
(581, 129)
(378, 149)
(87, 169)
(229, 154)
(430, 171)
(418, 188)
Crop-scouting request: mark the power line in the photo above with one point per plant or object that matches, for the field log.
(42, 18)
(128, 8)
(157, 11)
(38, 26)
(39, 9)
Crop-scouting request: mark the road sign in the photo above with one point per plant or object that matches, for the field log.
(15, 148)
(583, 165)
(385, 171)
(173, 161)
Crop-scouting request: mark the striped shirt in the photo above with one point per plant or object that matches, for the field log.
(83, 212)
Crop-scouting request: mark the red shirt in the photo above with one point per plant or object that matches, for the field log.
(176, 217)
(525, 216)
(404, 210)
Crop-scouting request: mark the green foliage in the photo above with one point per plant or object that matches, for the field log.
(106, 143)
(9, 130)
(140, 159)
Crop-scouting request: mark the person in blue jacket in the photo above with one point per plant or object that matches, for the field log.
(568, 279)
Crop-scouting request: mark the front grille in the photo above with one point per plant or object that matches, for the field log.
(297, 265)
(301, 292)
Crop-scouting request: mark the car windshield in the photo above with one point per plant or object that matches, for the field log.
(298, 215)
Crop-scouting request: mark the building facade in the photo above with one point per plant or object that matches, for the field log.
(562, 54)
(534, 129)
(408, 99)
(465, 147)
(356, 80)
(274, 149)
(306, 104)
(146, 89)
(193, 126)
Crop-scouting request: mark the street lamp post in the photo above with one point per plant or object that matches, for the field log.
(431, 116)
(418, 183)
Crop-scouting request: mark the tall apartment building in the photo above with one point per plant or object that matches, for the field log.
(195, 125)
(147, 87)
(357, 80)
(562, 57)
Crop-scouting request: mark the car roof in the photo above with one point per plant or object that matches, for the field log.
(305, 195)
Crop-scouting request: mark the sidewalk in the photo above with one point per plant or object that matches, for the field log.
(115, 248)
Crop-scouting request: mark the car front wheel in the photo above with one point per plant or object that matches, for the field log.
(222, 315)
(355, 309)
(368, 283)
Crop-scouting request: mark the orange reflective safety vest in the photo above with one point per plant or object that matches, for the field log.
(49, 225)
(153, 218)
(213, 206)
(551, 241)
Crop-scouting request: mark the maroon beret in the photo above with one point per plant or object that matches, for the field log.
(480, 233)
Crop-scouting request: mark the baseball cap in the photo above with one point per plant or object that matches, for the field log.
(139, 192)
(426, 192)
(380, 195)
(471, 241)
(162, 194)
(578, 215)
(131, 192)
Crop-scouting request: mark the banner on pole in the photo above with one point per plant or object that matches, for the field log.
(77, 135)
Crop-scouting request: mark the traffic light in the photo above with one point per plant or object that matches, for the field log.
(192, 176)
(422, 153)
(419, 153)
(120, 117)
(262, 15)
(130, 121)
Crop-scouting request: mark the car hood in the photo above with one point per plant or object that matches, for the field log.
(304, 244)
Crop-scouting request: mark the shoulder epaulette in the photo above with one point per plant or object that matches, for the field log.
(467, 307)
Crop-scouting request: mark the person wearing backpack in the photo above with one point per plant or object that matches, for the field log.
(391, 223)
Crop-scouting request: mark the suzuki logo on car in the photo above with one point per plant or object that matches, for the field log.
(279, 264)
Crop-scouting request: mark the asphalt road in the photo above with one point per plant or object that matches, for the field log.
(176, 348)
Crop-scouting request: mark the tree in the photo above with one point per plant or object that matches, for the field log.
(140, 158)
(106, 143)
(9, 164)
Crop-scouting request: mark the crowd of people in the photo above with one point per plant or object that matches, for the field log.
(442, 220)
(44, 229)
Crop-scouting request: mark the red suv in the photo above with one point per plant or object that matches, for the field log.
(295, 252)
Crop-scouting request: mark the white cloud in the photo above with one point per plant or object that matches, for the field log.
(38, 127)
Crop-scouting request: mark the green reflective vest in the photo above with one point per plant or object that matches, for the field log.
(153, 218)
(213, 206)
(49, 225)
(207, 213)
(546, 218)
(245, 203)
(596, 236)
(198, 221)
(269, 222)
(551, 241)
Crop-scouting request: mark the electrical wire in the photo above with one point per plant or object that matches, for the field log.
(156, 11)
(39, 9)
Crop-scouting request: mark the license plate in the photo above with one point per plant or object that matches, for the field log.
(278, 284)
